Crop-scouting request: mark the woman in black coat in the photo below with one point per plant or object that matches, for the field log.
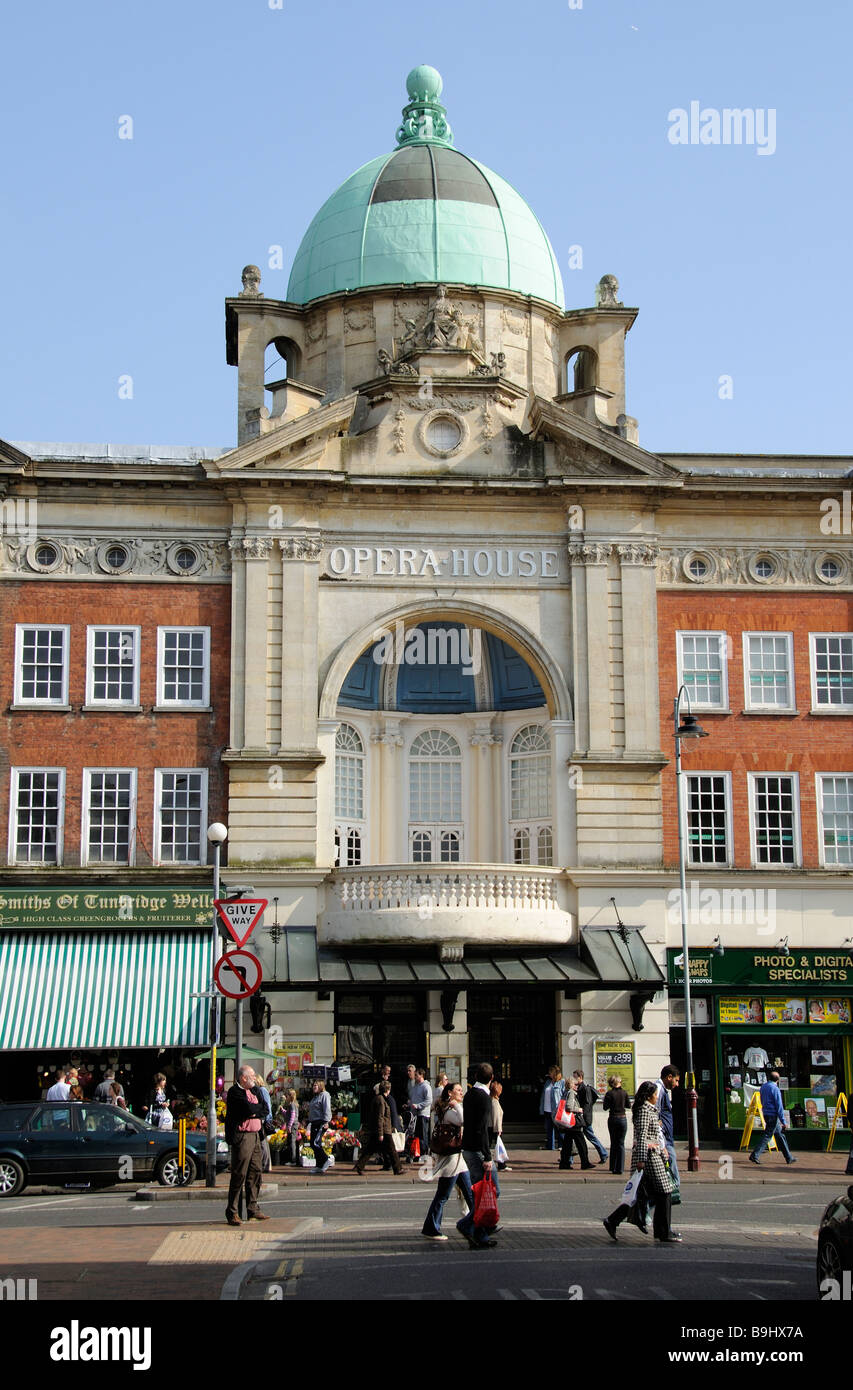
(616, 1103)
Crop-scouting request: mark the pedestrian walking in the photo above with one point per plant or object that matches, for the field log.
(103, 1090)
(574, 1136)
(420, 1102)
(497, 1127)
(266, 1156)
(477, 1151)
(773, 1110)
(648, 1158)
(552, 1093)
(117, 1096)
(319, 1118)
(449, 1165)
(587, 1098)
(669, 1079)
(290, 1120)
(244, 1111)
(616, 1103)
(60, 1090)
(377, 1132)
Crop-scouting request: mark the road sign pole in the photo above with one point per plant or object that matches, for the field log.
(238, 1040)
(210, 1173)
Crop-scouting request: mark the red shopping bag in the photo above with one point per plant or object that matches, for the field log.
(563, 1117)
(415, 1149)
(486, 1213)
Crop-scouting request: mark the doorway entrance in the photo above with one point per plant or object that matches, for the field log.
(515, 1030)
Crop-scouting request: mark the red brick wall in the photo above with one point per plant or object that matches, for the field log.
(739, 743)
(44, 738)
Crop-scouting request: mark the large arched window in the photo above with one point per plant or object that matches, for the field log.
(435, 798)
(349, 796)
(531, 829)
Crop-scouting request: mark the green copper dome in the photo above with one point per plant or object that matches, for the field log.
(425, 213)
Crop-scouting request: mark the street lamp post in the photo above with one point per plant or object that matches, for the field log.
(217, 834)
(686, 726)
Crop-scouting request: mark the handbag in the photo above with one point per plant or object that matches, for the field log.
(566, 1119)
(446, 1139)
(486, 1214)
(398, 1139)
(269, 1125)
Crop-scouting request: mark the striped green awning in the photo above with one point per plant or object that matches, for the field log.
(103, 989)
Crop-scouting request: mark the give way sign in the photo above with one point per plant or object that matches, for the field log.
(241, 916)
(237, 974)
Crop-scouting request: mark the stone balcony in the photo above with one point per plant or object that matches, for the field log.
(464, 904)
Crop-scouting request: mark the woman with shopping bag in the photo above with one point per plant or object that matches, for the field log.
(649, 1166)
(448, 1166)
(568, 1118)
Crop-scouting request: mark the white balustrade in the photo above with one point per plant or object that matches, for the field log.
(455, 888)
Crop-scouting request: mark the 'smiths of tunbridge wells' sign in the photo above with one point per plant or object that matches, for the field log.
(73, 907)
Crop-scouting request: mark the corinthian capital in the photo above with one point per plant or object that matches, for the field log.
(250, 547)
(589, 552)
(300, 547)
(638, 554)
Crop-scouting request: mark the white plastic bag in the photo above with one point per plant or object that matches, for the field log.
(629, 1192)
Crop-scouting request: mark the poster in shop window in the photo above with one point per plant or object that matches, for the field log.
(615, 1059)
(741, 1010)
(784, 1011)
(829, 1011)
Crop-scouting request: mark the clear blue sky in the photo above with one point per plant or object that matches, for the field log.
(117, 254)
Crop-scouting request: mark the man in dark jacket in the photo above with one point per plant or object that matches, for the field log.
(244, 1115)
(377, 1132)
(477, 1151)
(587, 1097)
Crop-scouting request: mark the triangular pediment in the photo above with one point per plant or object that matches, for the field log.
(297, 444)
(13, 460)
(584, 450)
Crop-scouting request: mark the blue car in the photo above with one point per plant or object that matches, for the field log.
(87, 1144)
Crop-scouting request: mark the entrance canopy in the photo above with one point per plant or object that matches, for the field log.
(603, 961)
(103, 989)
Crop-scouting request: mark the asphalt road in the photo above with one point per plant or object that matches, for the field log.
(742, 1244)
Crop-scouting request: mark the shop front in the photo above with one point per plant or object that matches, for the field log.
(757, 1011)
(104, 979)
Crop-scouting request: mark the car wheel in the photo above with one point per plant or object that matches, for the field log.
(168, 1171)
(829, 1263)
(12, 1177)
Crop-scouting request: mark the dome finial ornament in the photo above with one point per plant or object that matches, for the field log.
(424, 118)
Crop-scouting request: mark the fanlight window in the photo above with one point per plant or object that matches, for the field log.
(435, 777)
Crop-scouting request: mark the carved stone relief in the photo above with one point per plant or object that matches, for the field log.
(83, 555)
(753, 567)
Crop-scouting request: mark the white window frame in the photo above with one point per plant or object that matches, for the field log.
(819, 779)
(13, 816)
(344, 826)
(462, 827)
(791, 707)
(753, 838)
(825, 708)
(722, 638)
(532, 825)
(700, 865)
(162, 702)
(157, 839)
(85, 811)
(33, 702)
(91, 702)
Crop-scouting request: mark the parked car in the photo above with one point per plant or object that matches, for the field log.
(85, 1143)
(835, 1246)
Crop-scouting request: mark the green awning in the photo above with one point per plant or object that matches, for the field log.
(103, 989)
